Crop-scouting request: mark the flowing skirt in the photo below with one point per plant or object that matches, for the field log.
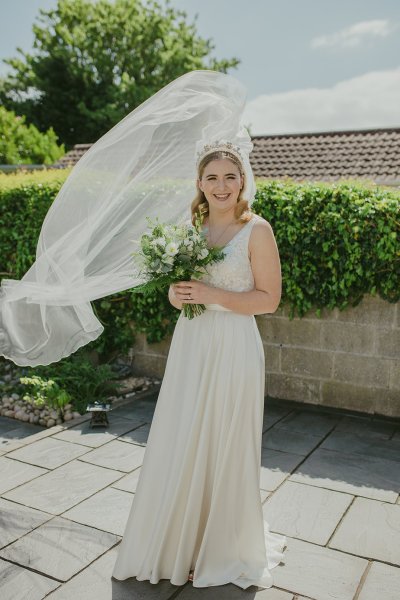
(197, 504)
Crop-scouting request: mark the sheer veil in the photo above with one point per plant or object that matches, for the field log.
(143, 167)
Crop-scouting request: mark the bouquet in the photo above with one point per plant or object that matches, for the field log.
(171, 253)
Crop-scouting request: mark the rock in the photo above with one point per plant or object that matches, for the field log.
(19, 414)
(50, 423)
(15, 396)
(9, 413)
(75, 414)
(67, 416)
(35, 419)
(25, 417)
(31, 418)
(42, 422)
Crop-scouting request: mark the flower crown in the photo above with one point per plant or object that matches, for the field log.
(218, 146)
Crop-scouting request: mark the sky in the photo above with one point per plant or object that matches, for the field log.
(307, 65)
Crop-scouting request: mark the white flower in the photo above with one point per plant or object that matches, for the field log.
(203, 253)
(171, 249)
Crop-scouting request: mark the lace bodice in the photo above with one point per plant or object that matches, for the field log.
(234, 272)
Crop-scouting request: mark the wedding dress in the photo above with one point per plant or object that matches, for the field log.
(197, 504)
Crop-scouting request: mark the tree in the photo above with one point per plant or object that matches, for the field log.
(95, 62)
(22, 144)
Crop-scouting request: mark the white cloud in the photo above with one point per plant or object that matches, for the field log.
(356, 34)
(367, 101)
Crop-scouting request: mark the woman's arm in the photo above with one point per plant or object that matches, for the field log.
(266, 267)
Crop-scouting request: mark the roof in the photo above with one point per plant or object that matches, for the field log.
(329, 155)
(325, 156)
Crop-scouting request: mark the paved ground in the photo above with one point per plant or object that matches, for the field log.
(329, 481)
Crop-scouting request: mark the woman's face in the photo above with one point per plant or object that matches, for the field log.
(221, 183)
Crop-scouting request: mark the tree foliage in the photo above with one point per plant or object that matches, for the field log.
(95, 62)
(23, 144)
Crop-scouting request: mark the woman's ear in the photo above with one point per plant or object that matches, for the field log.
(199, 184)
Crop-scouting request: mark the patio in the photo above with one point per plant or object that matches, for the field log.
(329, 481)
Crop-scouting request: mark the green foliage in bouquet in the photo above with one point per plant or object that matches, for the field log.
(171, 253)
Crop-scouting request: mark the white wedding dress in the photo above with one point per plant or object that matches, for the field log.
(197, 504)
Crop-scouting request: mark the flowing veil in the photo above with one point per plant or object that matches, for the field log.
(143, 167)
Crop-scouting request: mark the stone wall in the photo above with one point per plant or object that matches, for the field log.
(347, 359)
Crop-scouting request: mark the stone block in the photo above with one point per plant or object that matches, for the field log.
(361, 370)
(301, 389)
(272, 358)
(108, 510)
(116, 455)
(370, 529)
(353, 443)
(48, 453)
(289, 387)
(14, 473)
(319, 573)
(58, 490)
(383, 582)
(367, 476)
(356, 338)
(97, 436)
(290, 441)
(18, 583)
(16, 520)
(42, 551)
(305, 363)
(96, 583)
(298, 332)
(276, 466)
(151, 365)
(306, 512)
(388, 343)
(371, 310)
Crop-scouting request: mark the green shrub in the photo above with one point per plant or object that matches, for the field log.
(336, 242)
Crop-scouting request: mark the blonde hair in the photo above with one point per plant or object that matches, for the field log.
(199, 206)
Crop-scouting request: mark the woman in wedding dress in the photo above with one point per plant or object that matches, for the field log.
(197, 511)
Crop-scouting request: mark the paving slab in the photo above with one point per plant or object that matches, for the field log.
(15, 473)
(116, 455)
(98, 436)
(294, 442)
(365, 444)
(61, 489)
(370, 426)
(128, 483)
(371, 529)
(48, 453)
(276, 466)
(108, 510)
(319, 573)
(367, 476)
(382, 582)
(96, 583)
(274, 414)
(77, 546)
(306, 512)
(18, 583)
(137, 436)
(309, 422)
(16, 520)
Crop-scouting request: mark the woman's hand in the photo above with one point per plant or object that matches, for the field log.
(200, 292)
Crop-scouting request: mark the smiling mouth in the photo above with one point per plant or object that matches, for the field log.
(222, 196)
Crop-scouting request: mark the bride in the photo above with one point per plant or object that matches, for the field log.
(197, 511)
